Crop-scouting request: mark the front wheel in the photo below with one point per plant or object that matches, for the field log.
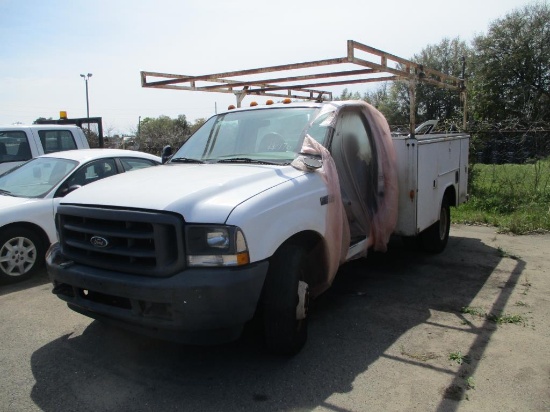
(286, 301)
(21, 254)
(435, 238)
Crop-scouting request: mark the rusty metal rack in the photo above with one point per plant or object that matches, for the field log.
(369, 65)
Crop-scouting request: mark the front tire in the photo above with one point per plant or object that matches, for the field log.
(435, 238)
(21, 254)
(286, 301)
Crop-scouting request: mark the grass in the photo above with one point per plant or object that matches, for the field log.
(498, 319)
(514, 198)
(472, 311)
(458, 357)
(506, 318)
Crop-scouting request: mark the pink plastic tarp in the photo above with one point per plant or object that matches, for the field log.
(374, 216)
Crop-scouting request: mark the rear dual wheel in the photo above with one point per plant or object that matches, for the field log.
(435, 238)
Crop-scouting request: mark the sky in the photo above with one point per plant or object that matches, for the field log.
(46, 45)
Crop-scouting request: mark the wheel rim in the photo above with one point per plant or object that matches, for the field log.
(303, 300)
(17, 256)
(443, 221)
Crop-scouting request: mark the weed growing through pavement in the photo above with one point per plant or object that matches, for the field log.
(498, 319)
(527, 285)
(459, 358)
(506, 318)
(472, 311)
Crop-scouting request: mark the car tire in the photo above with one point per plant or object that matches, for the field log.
(286, 301)
(21, 254)
(434, 239)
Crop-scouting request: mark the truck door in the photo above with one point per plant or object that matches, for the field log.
(352, 149)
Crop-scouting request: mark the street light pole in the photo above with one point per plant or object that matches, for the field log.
(86, 77)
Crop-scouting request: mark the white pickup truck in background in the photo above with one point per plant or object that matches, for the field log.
(19, 143)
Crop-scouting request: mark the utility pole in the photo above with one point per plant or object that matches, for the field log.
(86, 77)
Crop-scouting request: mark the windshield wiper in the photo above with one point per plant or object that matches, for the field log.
(185, 160)
(248, 160)
(6, 193)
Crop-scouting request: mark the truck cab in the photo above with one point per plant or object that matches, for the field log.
(19, 143)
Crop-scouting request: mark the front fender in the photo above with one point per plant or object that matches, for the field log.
(275, 215)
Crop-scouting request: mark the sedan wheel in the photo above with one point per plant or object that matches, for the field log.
(21, 253)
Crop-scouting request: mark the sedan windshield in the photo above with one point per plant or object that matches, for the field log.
(268, 136)
(36, 177)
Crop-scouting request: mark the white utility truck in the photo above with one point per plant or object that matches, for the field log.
(19, 143)
(253, 215)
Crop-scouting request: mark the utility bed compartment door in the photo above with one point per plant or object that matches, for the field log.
(438, 165)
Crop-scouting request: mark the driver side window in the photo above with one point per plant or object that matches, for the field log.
(92, 172)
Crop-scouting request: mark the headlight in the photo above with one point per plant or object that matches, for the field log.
(215, 246)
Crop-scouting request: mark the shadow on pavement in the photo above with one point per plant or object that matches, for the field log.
(372, 303)
(37, 279)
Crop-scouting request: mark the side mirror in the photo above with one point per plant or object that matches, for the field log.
(166, 153)
(64, 190)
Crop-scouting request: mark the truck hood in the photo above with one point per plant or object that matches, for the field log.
(11, 202)
(199, 192)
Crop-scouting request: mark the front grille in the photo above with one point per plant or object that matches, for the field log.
(133, 241)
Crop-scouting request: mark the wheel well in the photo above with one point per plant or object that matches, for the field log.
(30, 226)
(450, 195)
(317, 259)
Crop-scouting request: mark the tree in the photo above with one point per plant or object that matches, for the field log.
(196, 124)
(435, 102)
(41, 119)
(432, 102)
(155, 133)
(512, 68)
(393, 100)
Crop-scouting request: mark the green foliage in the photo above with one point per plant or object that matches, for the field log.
(506, 318)
(472, 311)
(459, 358)
(434, 102)
(513, 197)
(511, 68)
(507, 72)
(155, 133)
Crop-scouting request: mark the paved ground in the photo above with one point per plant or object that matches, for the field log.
(380, 339)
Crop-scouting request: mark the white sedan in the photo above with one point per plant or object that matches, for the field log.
(30, 195)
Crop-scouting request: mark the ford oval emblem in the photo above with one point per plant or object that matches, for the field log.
(99, 241)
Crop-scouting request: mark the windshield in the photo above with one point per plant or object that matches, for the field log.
(36, 177)
(271, 135)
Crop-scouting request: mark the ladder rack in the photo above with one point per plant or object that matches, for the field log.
(368, 65)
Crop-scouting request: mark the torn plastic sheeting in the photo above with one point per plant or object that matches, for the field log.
(337, 230)
(361, 178)
(383, 221)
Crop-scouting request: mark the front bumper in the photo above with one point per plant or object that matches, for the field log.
(197, 306)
